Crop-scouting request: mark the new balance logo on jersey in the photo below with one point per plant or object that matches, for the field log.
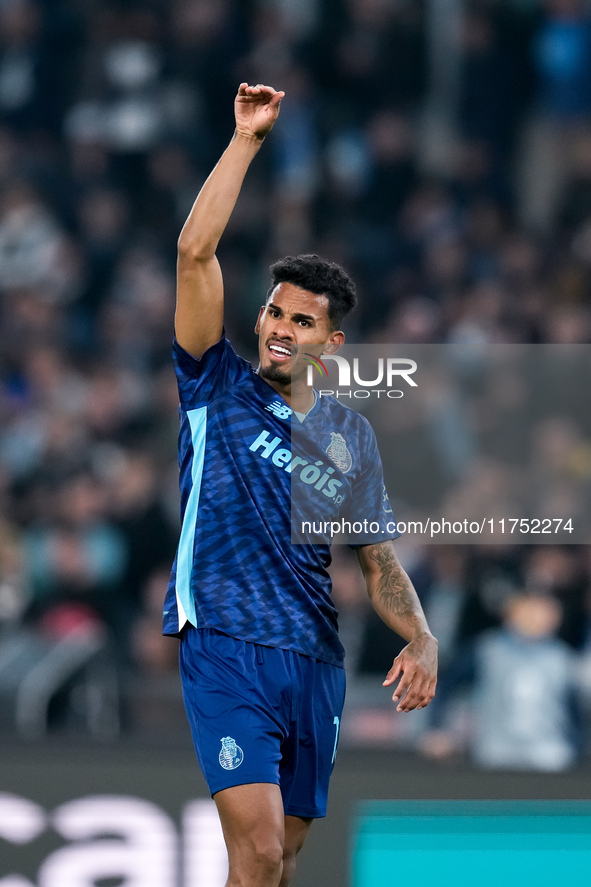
(316, 474)
(281, 410)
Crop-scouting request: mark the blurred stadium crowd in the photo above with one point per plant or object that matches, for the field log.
(111, 116)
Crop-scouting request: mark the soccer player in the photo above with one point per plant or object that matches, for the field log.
(261, 662)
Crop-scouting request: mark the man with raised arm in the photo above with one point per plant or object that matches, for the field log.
(261, 662)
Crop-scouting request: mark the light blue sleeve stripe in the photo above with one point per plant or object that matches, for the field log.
(185, 600)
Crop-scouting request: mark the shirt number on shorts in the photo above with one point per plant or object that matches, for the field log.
(337, 724)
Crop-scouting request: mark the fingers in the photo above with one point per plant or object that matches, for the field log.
(403, 687)
(414, 693)
(403, 695)
(276, 99)
(259, 91)
(415, 689)
(393, 673)
(416, 667)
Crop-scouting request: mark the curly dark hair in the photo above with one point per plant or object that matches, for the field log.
(318, 276)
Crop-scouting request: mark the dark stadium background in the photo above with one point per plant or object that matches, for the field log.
(442, 152)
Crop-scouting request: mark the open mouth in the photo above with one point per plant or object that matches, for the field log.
(280, 352)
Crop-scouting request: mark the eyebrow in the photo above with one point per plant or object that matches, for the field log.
(296, 317)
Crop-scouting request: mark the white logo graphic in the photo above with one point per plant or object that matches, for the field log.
(395, 366)
(386, 507)
(338, 453)
(231, 755)
(118, 839)
(281, 410)
(268, 447)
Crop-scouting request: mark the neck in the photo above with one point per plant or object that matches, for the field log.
(299, 396)
(302, 399)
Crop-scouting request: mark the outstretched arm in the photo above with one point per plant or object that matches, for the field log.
(395, 601)
(199, 308)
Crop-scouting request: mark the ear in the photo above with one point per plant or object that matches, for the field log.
(334, 343)
(257, 326)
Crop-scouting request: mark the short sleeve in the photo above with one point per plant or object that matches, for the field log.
(369, 505)
(201, 380)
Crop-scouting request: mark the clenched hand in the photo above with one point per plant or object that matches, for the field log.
(256, 109)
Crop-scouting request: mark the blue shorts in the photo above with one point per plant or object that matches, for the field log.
(262, 714)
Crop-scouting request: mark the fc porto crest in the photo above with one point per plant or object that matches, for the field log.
(338, 453)
(231, 755)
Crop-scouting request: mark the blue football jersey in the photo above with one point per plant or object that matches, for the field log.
(237, 569)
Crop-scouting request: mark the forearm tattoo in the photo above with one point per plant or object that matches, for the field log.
(394, 590)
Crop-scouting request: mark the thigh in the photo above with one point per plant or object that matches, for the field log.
(246, 810)
(253, 824)
(234, 709)
(309, 754)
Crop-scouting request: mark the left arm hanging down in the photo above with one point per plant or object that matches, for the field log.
(395, 601)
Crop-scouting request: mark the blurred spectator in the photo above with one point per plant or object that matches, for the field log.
(103, 220)
(559, 572)
(34, 252)
(562, 54)
(78, 556)
(490, 105)
(34, 90)
(562, 51)
(135, 506)
(13, 590)
(150, 649)
(525, 705)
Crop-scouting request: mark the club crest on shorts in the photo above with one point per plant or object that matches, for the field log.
(338, 453)
(231, 755)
